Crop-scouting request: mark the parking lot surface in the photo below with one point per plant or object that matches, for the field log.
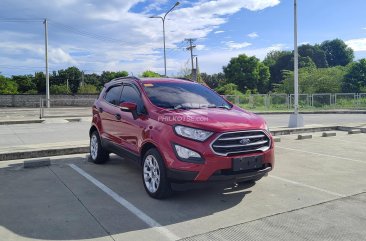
(317, 191)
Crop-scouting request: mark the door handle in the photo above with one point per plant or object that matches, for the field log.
(118, 116)
(100, 109)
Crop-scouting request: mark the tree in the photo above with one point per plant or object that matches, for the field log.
(72, 75)
(59, 89)
(92, 79)
(7, 86)
(355, 79)
(25, 83)
(248, 73)
(278, 61)
(40, 82)
(214, 80)
(149, 73)
(87, 89)
(107, 76)
(315, 53)
(313, 80)
(228, 89)
(337, 52)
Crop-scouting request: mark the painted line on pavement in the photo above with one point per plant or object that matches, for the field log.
(320, 154)
(308, 186)
(133, 209)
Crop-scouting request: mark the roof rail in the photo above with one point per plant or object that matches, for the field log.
(182, 78)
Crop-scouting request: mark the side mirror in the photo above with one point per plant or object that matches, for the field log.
(129, 107)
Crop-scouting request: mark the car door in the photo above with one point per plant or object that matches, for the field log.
(110, 113)
(132, 131)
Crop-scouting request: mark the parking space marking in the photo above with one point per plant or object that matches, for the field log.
(133, 209)
(308, 186)
(321, 154)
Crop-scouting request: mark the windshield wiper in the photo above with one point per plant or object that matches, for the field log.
(181, 107)
(219, 106)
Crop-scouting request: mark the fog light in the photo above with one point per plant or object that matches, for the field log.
(187, 155)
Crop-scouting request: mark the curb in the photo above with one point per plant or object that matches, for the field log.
(15, 122)
(43, 153)
(85, 149)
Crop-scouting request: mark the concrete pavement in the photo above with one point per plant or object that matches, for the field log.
(317, 191)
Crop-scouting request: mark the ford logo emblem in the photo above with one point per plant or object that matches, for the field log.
(244, 141)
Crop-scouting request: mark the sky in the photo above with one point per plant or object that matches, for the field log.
(115, 35)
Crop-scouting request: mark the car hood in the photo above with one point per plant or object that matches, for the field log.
(214, 119)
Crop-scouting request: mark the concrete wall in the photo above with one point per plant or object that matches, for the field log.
(56, 100)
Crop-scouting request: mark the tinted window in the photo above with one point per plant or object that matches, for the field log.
(187, 95)
(113, 95)
(130, 94)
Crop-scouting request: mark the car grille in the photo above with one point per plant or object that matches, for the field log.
(232, 143)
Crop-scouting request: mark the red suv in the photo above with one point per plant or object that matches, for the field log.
(178, 131)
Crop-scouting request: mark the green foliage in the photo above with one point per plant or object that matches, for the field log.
(59, 89)
(247, 73)
(107, 76)
(312, 80)
(315, 53)
(278, 61)
(25, 83)
(8, 86)
(40, 82)
(355, 80)
(214, 80)
(151, 74)
(337, 52)
(87, 89)
(228, 89)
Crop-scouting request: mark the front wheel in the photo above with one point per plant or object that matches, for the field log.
(97, 153)
(154, 176)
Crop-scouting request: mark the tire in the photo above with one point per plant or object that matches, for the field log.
(97, 153)
(154, 177)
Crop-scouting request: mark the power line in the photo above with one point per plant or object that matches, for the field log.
(85, 33)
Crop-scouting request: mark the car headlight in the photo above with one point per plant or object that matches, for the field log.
(266, 127)
(187, 155)
(192, 133)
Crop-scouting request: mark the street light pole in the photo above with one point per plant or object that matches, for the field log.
(46, 59)
(163, 20)
(296, 120)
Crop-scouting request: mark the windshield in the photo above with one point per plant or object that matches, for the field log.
(184, 96)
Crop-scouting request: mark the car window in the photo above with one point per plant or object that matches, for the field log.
(188, 95)
(130, 94)
(113, 95)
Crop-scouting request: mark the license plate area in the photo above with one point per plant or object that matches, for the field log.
(247, 163)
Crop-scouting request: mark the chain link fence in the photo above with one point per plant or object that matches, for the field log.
(306, 101)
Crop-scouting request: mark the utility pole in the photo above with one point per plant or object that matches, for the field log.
(46, 58)
(197, 72)
(296, 120)
(190, 47)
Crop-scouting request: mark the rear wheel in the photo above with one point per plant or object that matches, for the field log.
(97, 153)
(154, 176)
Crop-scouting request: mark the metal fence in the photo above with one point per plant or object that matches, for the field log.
(306, 101)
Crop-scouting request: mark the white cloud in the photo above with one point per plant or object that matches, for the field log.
(213, 62)
(200, 47)
(253, 35)
(357, 44)
(235, 45)
(59, 56)
(141, 37)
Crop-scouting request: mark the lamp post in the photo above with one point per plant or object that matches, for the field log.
(296, 120)
(163, 19)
